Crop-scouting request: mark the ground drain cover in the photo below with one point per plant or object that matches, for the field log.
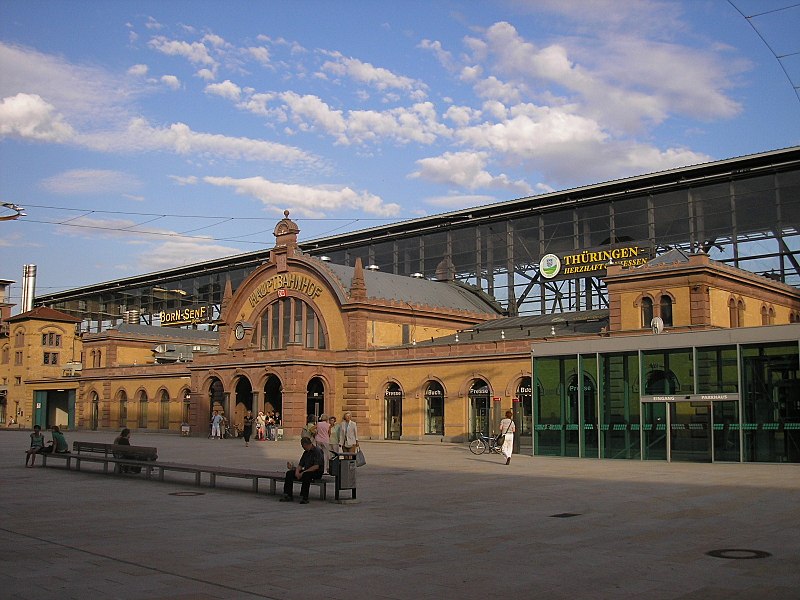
(566, 515)
(738, 553)
(187, 494)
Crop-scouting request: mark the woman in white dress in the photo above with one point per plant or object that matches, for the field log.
(507, 429)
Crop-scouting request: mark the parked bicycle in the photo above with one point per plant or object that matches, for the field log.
(484, 443)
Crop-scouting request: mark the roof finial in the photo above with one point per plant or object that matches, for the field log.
(286, 213)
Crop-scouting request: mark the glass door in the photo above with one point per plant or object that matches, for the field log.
(654, 431)
(690, 431)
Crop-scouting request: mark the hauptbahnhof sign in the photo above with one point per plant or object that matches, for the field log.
(590, 263)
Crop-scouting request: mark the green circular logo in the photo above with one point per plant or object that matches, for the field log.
(549, 266)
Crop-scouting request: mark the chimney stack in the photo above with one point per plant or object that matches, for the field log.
(28, 287)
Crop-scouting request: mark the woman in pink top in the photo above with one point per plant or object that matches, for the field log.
(323, 438)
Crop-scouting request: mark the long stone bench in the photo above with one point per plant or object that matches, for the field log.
(146, 458)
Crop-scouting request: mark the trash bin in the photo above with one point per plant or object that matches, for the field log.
(185, 429)
(343, 468)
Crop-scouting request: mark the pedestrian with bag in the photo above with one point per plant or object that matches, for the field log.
(507, 427)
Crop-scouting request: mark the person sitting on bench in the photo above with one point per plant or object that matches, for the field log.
(311, 467)
(59, 444)
(37, 445)
(124, 439)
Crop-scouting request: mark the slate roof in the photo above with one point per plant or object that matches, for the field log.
(44, 313)
(670, 257)
(172, 334)
(418, 291)
(529, 327)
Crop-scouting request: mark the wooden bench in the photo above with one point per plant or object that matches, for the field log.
(66, 456)
(117, 454)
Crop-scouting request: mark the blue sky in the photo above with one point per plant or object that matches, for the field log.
(145, 135)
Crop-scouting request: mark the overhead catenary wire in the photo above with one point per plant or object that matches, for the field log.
(778, 57)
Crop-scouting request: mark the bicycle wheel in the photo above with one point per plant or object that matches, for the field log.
(477, 446)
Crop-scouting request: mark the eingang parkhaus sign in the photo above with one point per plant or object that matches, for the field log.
(590, 263)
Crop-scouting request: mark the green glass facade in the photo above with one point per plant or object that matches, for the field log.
(732, 402)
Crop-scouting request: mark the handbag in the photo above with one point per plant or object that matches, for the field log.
(360, 459)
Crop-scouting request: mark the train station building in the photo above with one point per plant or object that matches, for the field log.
(654, 318)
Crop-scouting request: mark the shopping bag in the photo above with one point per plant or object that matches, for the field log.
(360, 460)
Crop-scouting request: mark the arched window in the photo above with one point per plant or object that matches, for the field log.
(434, 408)
(733, 313)
(771, 316)
(291, 320)
(666, 310)
(143, 410)
(647, 311)
(740, 313)
(163, 414)
(123, 409)
(764, 315)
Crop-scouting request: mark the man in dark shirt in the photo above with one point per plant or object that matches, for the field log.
(311, 467)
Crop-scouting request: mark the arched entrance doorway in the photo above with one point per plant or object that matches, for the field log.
(216, 399)
(394, 411)
(244, 402)
(315, 398)
(525, 397)
(273, 406)
(479, 408)
(95, 416)
(434, 408)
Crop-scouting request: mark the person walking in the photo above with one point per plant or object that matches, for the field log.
(507, 429)
(323, 440)
(348, 433)
(248, 427)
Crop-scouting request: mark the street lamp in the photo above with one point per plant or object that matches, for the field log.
(18, 211)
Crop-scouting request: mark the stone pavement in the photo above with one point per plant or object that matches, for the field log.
(431, 521)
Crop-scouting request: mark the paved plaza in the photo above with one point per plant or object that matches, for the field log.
(431, 521)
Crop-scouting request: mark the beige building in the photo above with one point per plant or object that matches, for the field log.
(39, 359)
(411, 358)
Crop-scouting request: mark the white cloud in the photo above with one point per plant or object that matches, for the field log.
(206, 74)
(180, 139)
(226, 89)
(529, 130)
(138, 70)
(622, 81)
(180, 251)
(180, 180)
(308, 201)
(171, 81)
(445, 58)
(466, 170)
(260, 54)
(196, 52)
(90, 181)
(83, 94)
(417, 123)
(28, 116)
(377, 77)
(161, 248)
